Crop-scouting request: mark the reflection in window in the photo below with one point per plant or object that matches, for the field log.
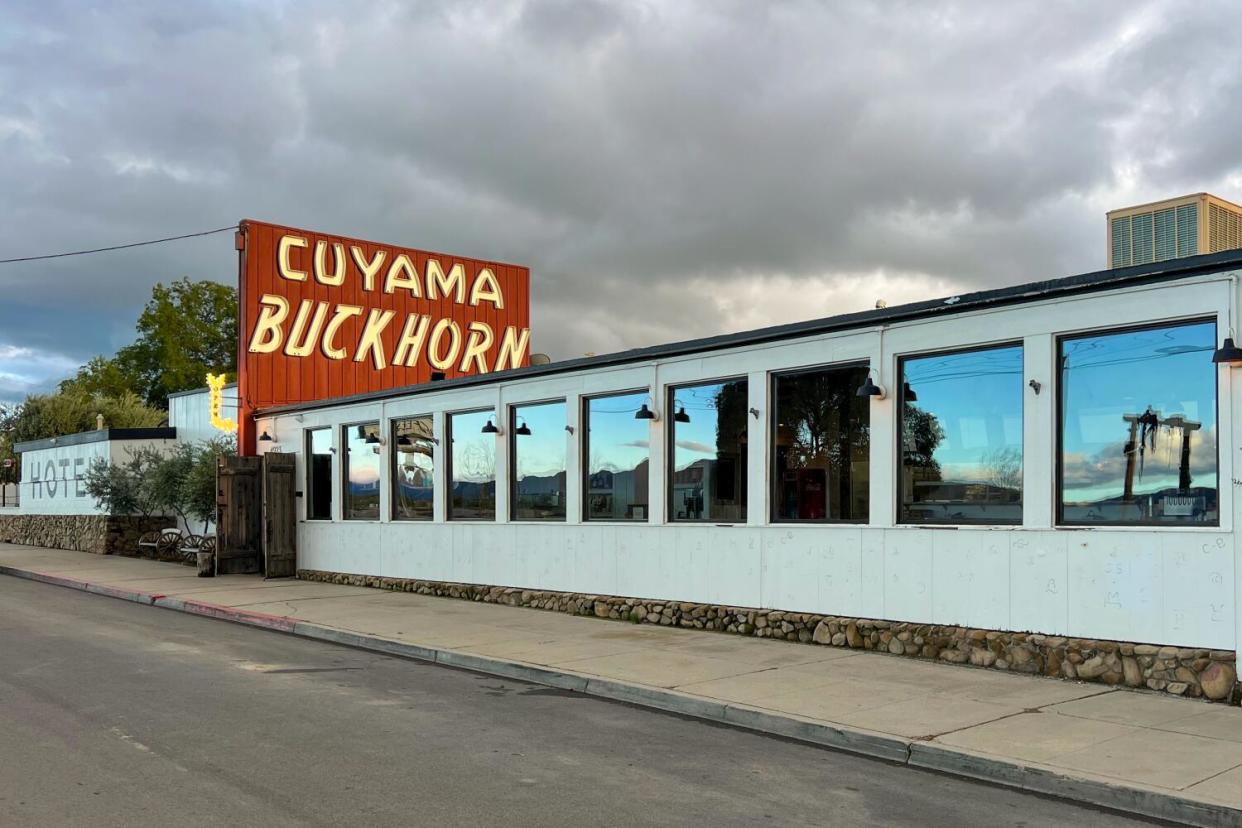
(472, 467)
(822, 446)
(1138, 426)
(961, 437)
(707, 436)
(362, 471)
(319, 474)
(538, 461)
(617, 453)
(413, 469)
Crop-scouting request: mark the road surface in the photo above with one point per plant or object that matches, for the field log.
(116, 714)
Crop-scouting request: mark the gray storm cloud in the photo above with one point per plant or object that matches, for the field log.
(666, 169)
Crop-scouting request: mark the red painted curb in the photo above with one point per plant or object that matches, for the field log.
(282, 623)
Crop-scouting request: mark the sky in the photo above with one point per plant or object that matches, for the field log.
(667, 170)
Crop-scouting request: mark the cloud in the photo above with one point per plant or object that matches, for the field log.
(667, 170)
(698, 448)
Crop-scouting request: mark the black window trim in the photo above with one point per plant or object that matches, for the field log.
(310, 489)
(343, 454)
(392, 467)
(448, 465)
(1058, 499)
(773, 413)
(584, 446)
(512, 458)
(899, 400)
(669, 460)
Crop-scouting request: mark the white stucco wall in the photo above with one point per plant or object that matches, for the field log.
(1174, 585)
(53, 479)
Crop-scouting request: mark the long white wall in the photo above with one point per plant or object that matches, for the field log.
(190, 414)
(54, 478)
(1175, 585)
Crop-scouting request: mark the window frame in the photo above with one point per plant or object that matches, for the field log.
(584, 448)
(448, 466)
(670, 457)
(773, 427)
(899, 399)
(512, 458)
(1058, 482)
(392, 468)
(307, 434)
(343, 454)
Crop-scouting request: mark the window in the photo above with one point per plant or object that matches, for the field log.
(362, 471)
(472, 466)
(821, 446)
(961, 437)
(319, 474)
(537, 440)
(413, 469)
(1138, 427)
(707, 445)
(617, 452)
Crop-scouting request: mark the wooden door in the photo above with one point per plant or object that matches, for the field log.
(280, 535)
(238, 512)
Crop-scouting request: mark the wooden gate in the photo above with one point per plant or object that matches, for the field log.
(280, 535)
(238, 513)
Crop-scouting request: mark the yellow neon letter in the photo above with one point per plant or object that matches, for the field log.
(282, 258)
(267, 333)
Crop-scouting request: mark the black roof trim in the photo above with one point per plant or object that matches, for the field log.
(1018, 294)
(84, 437)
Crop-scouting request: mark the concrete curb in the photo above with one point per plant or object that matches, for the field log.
(923, 755)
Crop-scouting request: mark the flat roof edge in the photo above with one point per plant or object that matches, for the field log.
(1094, 281)
(102, 436)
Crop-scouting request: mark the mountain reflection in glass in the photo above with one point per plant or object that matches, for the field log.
(708, 450)
(821, 455)
(414, 467)
(616, 454)
(1138, 426)
(472, 466)
(538, 461)
(362, 471)
(961, 437)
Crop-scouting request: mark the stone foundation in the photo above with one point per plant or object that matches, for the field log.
(1182, 671)
(98, 534)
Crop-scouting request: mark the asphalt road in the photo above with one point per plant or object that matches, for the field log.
(115, 714)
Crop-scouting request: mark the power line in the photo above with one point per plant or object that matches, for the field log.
(118, 246)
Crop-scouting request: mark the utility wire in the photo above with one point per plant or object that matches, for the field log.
(118, 246)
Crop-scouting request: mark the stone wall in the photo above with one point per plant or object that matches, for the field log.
(98, 534)
(1182, 671)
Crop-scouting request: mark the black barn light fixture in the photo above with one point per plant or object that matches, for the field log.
(490, 428)
(523, 430)
(645, 413)
(1227, 353)
(908, 394)
(870, 389)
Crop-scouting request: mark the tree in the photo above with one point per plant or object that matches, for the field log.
(54, 415)
(127, 488)
(186, 330)
(198, 488)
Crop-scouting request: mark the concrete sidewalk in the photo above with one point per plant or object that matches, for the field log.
(1170, 758)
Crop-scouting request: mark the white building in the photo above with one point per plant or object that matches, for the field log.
(1054, 457)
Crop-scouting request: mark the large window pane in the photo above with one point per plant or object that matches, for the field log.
(362, 471)
(617, 453)
(413, 469)
(1138, 426)
(707, 438)
(319, 474)
(822, 446)
(472, 467)
(961, 437)
(537, 434)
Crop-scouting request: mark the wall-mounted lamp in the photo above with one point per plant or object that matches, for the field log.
(491, 428)
(1228, 353)
(870, 389)
(908, 394)
(1036, 386)
(570, 429)
(523, 430)
(265, 437)
(645, 413)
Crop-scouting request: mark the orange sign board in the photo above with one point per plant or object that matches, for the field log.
(326, 316)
